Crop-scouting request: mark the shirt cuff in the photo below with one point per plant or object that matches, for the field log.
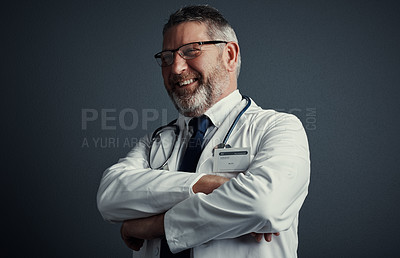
(168, 224)
(170, 233)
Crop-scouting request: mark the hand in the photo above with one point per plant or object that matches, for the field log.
(267, 236)
(209, 183)
(135, 231)
(133, 242)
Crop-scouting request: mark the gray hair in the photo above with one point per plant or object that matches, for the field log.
(218, 27)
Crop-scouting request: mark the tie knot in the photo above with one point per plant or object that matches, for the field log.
(200, 124)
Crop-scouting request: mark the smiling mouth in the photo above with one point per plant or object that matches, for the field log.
(186, 82)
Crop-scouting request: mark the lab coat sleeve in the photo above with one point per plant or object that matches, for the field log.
(266, 198)
(130, 189)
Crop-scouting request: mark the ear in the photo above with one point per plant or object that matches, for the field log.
(231, 56)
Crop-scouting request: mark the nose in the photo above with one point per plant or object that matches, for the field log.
(179, 65)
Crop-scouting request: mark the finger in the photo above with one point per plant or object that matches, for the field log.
(268, 237)
(257, 236)
(277, 234)
(134, 243)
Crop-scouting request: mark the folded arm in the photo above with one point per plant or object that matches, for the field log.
(264, 199)
(130, 189)
(135, 231)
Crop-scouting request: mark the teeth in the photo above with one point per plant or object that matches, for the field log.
(186, 82)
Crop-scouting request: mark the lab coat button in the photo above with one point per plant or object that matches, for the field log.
(156, 251)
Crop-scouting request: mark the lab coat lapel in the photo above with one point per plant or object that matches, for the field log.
(205, 164)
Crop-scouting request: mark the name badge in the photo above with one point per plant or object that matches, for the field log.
(231, 159)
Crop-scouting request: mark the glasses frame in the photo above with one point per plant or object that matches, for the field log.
(158, 55)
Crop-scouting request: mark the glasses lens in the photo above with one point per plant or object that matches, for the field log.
(165, 58)
(191, 51)
(162, 147)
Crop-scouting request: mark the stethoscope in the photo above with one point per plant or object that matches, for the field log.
(171, 130)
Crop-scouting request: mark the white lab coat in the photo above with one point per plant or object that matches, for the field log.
(265, 198)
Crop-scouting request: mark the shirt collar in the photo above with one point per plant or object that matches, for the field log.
(223, 108)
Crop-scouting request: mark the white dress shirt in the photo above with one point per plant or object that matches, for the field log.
(266, 198)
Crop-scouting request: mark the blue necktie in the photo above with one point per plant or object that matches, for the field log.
(189, 164)
(194, 148)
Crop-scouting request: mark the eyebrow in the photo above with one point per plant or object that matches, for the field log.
(176, 49)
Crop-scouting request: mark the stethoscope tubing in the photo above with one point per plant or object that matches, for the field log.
(176, 129)
(237, 119)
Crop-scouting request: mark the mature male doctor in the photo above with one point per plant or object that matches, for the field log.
(231, 200)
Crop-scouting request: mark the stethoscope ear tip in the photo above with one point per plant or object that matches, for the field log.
(156, 136)
(221, 146)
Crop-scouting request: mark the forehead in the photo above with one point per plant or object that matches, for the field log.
(184, 33)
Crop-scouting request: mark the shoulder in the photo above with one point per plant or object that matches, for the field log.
(266, 118)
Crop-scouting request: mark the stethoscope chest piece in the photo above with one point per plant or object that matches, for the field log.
(161, 150)
(221, 146)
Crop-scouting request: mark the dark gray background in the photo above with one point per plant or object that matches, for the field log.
(339, 59)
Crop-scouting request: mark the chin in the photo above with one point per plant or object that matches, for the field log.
(191, 104)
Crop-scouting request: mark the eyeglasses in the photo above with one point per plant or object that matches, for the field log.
(187, 51)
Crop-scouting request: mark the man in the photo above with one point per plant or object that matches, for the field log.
(211, 212)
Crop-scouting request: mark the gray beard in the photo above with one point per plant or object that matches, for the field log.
(204, 96)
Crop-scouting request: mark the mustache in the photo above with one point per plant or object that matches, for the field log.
(176, 78)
